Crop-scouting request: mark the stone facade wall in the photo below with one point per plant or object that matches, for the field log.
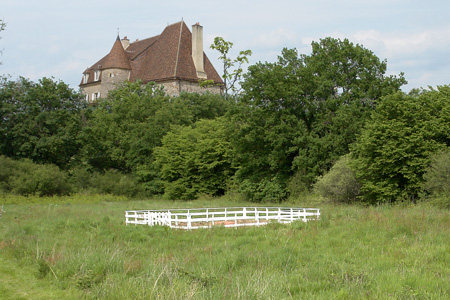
(111, 78)
(174, 87)
(91, 89)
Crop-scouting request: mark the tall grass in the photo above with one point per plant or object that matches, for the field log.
(84, 250)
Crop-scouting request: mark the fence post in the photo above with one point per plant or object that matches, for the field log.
(169, 219)
(189, 219)
(226, 216)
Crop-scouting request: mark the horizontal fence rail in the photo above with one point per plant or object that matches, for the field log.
(229, 217)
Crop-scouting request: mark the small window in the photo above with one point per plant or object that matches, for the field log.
(85, 77)
(87, 98)
(95, 96)
(97, 75)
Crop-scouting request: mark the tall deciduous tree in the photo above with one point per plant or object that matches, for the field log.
(40, 121)
(126, 127)
(232, 68)
(303, 111)
(395, 146)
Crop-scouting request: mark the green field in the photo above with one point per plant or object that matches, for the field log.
(69, 248)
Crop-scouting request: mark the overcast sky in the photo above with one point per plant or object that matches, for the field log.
(55, 38)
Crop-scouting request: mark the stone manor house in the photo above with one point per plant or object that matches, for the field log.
(174, 59)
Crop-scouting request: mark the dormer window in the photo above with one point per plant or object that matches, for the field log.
(97, 75)
(85, 77)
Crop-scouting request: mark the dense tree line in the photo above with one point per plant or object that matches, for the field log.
(331, 121)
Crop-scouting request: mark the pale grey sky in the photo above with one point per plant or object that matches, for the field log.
(61, 38)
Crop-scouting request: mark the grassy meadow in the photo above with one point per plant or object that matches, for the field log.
(79, 248)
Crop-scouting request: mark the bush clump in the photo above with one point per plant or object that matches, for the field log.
(437, 178)
(23, 177)
(27, 178)
(267, 190)
(113, 182)
(340, 183)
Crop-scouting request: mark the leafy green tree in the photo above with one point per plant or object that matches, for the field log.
(40, 121)
(205, 106)
(126, 127)
(195, 160)
(341, 69)
(232, 68)
(301, 113)
(395, 146)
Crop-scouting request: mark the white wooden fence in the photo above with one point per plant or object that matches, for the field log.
(228, 217)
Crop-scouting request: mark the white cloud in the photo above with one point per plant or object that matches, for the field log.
(421, 55)
(277, 38)
(400, 45)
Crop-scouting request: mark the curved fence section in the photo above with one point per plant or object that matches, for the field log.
(228, 217)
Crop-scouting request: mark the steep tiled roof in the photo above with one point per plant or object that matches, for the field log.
(139, 47)
(163, 57)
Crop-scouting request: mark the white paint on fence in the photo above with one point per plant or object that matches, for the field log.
(228, 217)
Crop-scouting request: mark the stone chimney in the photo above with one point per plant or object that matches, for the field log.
(197, 50)
(125, 43)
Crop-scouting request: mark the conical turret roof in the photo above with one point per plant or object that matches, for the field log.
(117, 57)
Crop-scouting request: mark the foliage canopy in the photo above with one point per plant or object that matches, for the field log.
(395, 146)
(40, 121)
(195, 160)
(302, 112)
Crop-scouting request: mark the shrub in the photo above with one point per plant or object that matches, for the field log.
(41, 180)
(267, 190)
(437, 178)
(80, 179)
(113, 182)
(7, 167)
(437, 174)
(339, 184)
(297, 185)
